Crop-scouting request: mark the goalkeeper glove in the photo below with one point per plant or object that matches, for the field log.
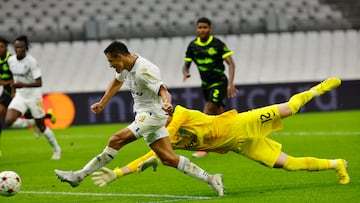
(152, 161)
(103, 177)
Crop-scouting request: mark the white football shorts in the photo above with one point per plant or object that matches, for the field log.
(34, 105)
(149, 126)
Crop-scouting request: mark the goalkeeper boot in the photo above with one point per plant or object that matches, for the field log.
(326, 86)
(200, 154)
(215, 181)
(341, 172)
(69, 176)
(152, 161)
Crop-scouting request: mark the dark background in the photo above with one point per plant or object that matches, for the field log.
(119, 108)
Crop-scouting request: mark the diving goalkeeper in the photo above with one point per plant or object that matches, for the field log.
(244, 133)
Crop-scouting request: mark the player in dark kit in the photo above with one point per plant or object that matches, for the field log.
(209, 54)
(5, 80)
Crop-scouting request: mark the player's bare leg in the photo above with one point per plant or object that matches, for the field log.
(50, 137)
(2, 115)
(117, 141)
(163, 149)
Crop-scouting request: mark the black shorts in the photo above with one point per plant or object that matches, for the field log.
(5, 99)
(215, 93)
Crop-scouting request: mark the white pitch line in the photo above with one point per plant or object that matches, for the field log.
(113, 194)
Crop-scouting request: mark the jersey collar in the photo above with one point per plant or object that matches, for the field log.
(200, 43)
(6, 57)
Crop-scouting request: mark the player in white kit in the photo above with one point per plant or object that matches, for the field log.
(152, 103)
(28, 95)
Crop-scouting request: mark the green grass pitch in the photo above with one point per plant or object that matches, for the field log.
(323, 135)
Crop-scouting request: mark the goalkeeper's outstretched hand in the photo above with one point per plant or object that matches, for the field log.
(152, 161)
(103, 177)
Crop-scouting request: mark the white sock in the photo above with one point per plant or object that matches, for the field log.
(23, 123)
(315, 93)
(191, 169)
(50, 136)
(98, 161)
(333, 163)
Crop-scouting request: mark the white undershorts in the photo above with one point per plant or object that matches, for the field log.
(149, 126)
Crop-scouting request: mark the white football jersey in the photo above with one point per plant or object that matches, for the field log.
(144, 82)
(26, 70)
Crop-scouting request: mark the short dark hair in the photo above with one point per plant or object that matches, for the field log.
(204, 20)
(3, 40)
(116, 48)
(23, 38)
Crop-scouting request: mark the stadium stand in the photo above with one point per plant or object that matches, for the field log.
(260, 58)
(68, 20)
(273, 40)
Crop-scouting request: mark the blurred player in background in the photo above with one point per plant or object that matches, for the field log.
(5, 81)
(152, 103)
(28, 95)
(209, 54)
(243, 133)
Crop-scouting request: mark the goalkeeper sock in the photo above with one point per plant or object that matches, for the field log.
(97, 162)
(134, 164)
(191, 169)
(299, 100)
(308, 163)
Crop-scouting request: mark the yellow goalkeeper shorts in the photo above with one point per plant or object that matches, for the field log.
(253, 142)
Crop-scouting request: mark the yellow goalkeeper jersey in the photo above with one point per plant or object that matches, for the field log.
(194, 130)
(244, 133)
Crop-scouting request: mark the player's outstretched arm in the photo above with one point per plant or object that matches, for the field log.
(105, 175)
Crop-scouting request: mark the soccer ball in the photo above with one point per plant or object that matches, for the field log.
(10, 183)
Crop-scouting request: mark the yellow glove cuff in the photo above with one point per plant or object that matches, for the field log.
(118, 172)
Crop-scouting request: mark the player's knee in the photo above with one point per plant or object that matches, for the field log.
(116, 142)
(170, 161)
(291, 164)
(42, 128)
(294, 107)
(40, 123)
(121, 139)
(9, 121)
